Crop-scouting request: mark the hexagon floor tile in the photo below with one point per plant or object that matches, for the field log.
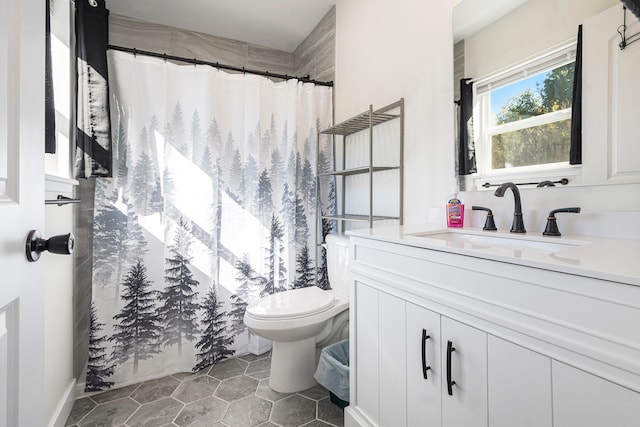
(234, 392)
(248, 412)
(293, 411)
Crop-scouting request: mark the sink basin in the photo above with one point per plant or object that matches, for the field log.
(506, 241)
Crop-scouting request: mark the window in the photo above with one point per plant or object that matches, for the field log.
(524, 117)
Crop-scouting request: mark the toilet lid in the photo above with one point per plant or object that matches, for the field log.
(292, 303)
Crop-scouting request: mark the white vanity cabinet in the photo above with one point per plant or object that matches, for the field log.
(402, 374)
(524, 348)
(585, 400)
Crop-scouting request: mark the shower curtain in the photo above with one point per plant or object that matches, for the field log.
(212, 204)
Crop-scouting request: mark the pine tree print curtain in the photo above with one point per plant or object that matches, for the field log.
(211, 205)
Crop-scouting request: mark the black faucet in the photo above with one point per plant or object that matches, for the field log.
(489, 223)
(518, 225)
(552, 226)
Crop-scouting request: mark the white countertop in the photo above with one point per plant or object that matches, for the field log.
(616, 260)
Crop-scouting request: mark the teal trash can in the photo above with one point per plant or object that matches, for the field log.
(333, 372)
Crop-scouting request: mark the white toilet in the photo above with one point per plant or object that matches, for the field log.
(300, 321)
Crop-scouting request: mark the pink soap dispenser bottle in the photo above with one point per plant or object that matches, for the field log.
(455, 211)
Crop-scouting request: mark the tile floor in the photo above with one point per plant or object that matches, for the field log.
(234, 393)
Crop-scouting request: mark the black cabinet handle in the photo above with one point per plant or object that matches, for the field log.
(450, 383)
(425, 368)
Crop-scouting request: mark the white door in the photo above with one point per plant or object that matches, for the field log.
(22, 38)
(366, 336)
(424, 369)
(464, 382)
(392, 360)
(519, 386)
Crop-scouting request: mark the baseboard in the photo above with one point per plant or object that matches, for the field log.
(353, 418)
(80, 389)
(63, 409)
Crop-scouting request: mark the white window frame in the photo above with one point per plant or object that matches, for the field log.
(550, 59)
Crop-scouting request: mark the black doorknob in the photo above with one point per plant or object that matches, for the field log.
(35, 245)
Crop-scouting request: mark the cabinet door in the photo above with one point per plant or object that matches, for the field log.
(424, 371)
(466, 406)
(519, 386)
(392, 361)
(582, 399)
(366, 336)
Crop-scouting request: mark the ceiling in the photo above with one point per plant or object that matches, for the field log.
(470, 16)
(278, 24)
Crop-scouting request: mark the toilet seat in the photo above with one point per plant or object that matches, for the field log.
(295, 303)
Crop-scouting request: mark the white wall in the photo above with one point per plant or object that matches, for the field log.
(58, 369)
(58, 327)
(534, 27)
(388, 50)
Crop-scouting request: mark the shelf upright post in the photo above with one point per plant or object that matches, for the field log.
(343, 208)
(318, 205)
(401, 164)
(371, 166)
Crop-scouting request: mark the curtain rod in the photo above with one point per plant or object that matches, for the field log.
(196, 61)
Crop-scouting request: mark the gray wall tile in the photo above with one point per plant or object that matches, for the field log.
(82, 271)
(124, 31)
(316, 54)
(458, 67)
(275, 61)
(190, 44)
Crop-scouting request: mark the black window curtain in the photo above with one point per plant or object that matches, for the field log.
(633, 6)
(575, 150)
(50, 108)
(467, 144)
(93, 140)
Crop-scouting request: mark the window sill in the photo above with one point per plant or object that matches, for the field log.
(58, 184)
(524, 179)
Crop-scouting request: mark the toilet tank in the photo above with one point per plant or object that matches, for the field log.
(338, 263)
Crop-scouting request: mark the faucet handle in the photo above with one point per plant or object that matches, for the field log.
(552, 227)
(489, 223)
